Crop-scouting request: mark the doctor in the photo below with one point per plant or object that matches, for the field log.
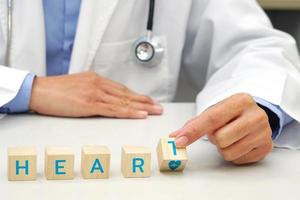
(119, 58)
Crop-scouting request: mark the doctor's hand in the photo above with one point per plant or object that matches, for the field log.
(88, 94)
(237, 126)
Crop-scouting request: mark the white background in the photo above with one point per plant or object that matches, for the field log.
(207, 176)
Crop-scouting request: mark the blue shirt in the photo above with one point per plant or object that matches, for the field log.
(61, 17)
(284, 118)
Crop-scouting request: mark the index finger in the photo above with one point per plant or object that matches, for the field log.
(210, 120)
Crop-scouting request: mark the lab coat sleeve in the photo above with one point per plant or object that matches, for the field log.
(10, 83)
(236, 43)
(21, 102)
(10, 79)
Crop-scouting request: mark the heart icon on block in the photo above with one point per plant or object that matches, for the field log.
(174, 164)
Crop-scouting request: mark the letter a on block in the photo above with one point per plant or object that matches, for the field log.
(59, 163)
(21, 164)
(171, 158)
(136, 162)
(95, 162)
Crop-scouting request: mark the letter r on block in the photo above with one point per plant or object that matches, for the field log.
(138, 163)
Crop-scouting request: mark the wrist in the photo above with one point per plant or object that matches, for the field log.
(35, 94)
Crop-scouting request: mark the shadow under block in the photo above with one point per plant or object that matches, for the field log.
(136, 162)
(169, 157)
(21, 164)
(95, 162)
(59, 163)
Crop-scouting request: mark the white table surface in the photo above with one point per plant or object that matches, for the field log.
(207, 176)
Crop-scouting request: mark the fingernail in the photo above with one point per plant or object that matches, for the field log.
(174, 134)
(158, 109)
(181, 141)
(157, 103)
(142, 114)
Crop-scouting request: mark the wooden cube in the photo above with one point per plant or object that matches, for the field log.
(171, 158)
(136, 162)
(59, 163)
(21, 164)
(95, 162)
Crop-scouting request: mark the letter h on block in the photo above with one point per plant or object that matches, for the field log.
(171, 158)
(136, 162)
(21, 164)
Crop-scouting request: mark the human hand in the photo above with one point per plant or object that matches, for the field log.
(88, 94)
(237, 126)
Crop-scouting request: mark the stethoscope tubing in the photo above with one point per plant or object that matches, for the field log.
(151, 15)
(9, 31)
(10, 4)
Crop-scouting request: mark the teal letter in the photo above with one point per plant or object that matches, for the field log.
(139, 165)
(97, 166)
(57, 167)
(173, 147)
(18, 167)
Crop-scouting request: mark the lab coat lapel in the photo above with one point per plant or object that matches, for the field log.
(28, 28)
(3, 16)
(94, 17)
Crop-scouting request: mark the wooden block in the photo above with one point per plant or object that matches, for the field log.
(169, 157)
(21, 164)
(95, 162)
(59, 163)
(136, 162)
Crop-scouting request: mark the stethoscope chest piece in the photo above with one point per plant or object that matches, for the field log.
(148, 51)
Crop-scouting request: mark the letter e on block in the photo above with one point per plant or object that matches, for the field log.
(171, 158)
(59, 163)
(136, 162)
(21, 164)
(95, 162)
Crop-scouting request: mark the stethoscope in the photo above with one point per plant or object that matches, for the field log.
(10, 4)
(147, 50)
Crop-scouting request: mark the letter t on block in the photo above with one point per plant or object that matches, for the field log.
(59, 163)
(21, 164)
(136, 162)
(171, 158)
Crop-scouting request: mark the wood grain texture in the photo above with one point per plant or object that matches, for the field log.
(22, 157)
(91, 157)
(61, 157)
(169, 157)
(136, 162)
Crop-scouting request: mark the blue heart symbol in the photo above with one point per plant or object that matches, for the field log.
(174, 164)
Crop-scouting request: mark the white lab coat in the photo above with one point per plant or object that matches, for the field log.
(227, 46)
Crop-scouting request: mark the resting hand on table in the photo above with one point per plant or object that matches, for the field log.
(237, 126)
(87, 94)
